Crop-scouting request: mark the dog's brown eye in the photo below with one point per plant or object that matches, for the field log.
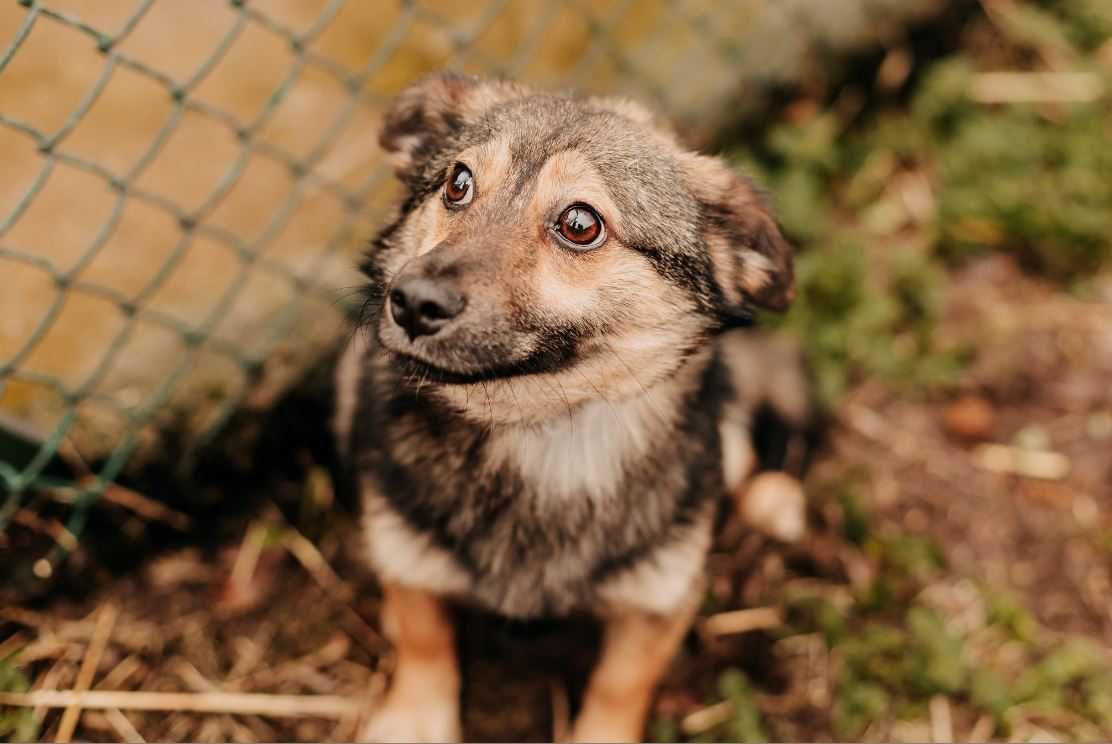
(581, 226)
(460, 188)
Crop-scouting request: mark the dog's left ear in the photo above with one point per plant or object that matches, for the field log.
(752, 260)
(430, 111)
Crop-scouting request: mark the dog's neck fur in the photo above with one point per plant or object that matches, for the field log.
(590, 449)
(537, 515)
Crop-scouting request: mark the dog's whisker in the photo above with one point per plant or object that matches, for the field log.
(490, 408)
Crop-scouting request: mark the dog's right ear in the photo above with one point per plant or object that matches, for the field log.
(428, 112)
(751, 259)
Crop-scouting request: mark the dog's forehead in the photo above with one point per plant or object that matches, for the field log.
(537, 128)
(638, 166)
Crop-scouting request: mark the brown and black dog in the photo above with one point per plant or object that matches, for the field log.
(545, 401)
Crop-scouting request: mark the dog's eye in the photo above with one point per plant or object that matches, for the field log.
(581, 227)
(460, 187)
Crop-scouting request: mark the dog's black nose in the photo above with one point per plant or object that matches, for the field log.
(422, 306)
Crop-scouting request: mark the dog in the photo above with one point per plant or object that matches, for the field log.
(552, 382)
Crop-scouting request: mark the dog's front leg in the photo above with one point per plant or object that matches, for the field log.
(422, 704)
(637, 648)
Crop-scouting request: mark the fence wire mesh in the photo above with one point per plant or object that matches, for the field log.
(186, 183)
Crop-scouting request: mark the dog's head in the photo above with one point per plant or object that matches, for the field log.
(555, 249)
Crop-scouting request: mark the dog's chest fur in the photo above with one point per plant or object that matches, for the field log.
(545, 519)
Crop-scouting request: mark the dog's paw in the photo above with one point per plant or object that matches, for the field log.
(428, 719)
(774, 503)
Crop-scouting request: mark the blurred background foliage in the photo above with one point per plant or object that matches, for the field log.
(885, 190)
(999, 144)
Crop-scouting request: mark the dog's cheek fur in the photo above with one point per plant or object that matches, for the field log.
(752, 260)
(616, 293)
(631, 330)
(418, 235)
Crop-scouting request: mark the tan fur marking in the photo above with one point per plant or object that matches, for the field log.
(661, 583)
(568, 177)
(490, 164)
(398, 553)
(433, 218)
(423, 701)
(636, 651)
(756, 272)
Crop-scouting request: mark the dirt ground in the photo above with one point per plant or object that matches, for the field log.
(272, 611)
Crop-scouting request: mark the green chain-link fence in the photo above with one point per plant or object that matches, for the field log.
(185, 183)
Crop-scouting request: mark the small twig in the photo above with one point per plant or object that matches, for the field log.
(942, 729)
(120, 673)
(123, 726)
(981, 730)
(212, 729)
(306, 553)
(106, 619)
(146, 507)
(334, 650)
(312, 561)
(52, 528)
(1002, 15)
(181, 728)
(707, 718)
(121, 496)
(1002, 458)
(276, 706)
(743, 621)
(191, 675)
(561, 711)
(1036, 87)
(47, 646)
(240, 733)
(30, 618)
(262, 732)
(345, 730)
(248, 655)
(47, 681)
(248, 556)
(13, 644)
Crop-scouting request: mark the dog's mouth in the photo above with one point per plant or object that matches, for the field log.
(470, 360)
(422, 371)
(477, 351)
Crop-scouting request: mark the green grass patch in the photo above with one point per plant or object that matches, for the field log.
(16, 724)
(882, 205)
(894, 648)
